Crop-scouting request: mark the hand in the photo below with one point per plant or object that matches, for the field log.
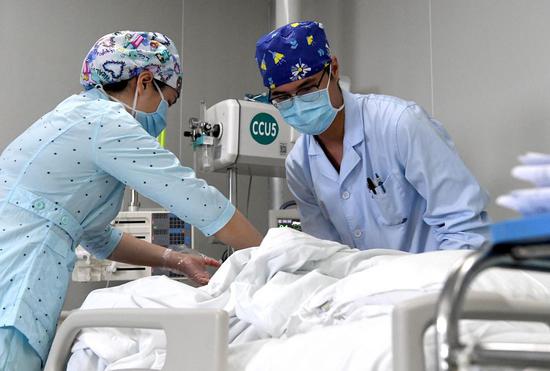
(192, 266)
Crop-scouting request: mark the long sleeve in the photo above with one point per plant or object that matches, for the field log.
(455, 201)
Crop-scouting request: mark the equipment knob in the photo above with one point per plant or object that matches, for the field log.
(216, 130)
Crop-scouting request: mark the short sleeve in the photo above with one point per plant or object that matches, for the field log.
(101, 242)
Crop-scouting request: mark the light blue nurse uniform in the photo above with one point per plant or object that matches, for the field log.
(15, 352)
(61, 184)
(428, 199)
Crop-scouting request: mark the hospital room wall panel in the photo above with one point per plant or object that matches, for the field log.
(491, 67)
(330, 14)
(45, 42)
(382, 45)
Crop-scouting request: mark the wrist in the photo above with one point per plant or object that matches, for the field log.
(168, 258)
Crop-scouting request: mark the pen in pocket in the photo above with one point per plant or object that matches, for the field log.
(380, 183)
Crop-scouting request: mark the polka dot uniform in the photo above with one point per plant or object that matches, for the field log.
(62, 183)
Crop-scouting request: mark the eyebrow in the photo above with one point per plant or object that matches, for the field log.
(305, 82)
(301, 85)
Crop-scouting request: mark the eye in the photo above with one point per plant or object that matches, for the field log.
(306, 90)
(280, 98)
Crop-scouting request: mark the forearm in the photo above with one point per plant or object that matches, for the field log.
(239, 233)
(131, 250)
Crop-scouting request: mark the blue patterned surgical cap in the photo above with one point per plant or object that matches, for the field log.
(292, 52)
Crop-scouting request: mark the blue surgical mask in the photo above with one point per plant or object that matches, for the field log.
(311, 116)
(153, 122)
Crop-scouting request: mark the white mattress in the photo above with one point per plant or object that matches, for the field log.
(298, 303)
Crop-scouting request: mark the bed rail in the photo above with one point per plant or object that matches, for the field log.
(412, 318)
(196, 338)
(519, 244)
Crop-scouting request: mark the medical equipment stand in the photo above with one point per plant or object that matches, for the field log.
(134, 201)
(241, 137)
(518, 244)
(232, 193)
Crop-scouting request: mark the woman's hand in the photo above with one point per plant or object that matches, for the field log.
(192, 266)
(131, 250)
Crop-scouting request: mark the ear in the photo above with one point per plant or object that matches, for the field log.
(335, 68)
(144, 78)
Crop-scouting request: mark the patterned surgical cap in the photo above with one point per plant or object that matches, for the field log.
(292, 52)
(125, 54)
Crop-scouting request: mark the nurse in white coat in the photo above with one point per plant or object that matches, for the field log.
(370, 171)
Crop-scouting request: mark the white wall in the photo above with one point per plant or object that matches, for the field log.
(482, 67)
(45, 41)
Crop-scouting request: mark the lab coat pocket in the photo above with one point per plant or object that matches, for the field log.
(386, 206)
(57, 251)
(59, 242)
(50, 278)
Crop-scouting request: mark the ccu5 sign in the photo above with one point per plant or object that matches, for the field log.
(264, 128)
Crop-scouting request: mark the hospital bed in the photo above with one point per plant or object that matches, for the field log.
(518, 245)
(205, 349)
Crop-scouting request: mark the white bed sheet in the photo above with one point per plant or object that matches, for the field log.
(364, 345)
(297, 302)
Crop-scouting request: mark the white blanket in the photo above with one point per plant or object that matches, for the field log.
(292, 296)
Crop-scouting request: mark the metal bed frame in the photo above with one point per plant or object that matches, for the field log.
(518, 244)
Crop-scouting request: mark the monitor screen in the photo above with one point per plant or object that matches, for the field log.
(289, 222)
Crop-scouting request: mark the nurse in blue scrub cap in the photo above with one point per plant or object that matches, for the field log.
(370, 171)
(62, 182)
